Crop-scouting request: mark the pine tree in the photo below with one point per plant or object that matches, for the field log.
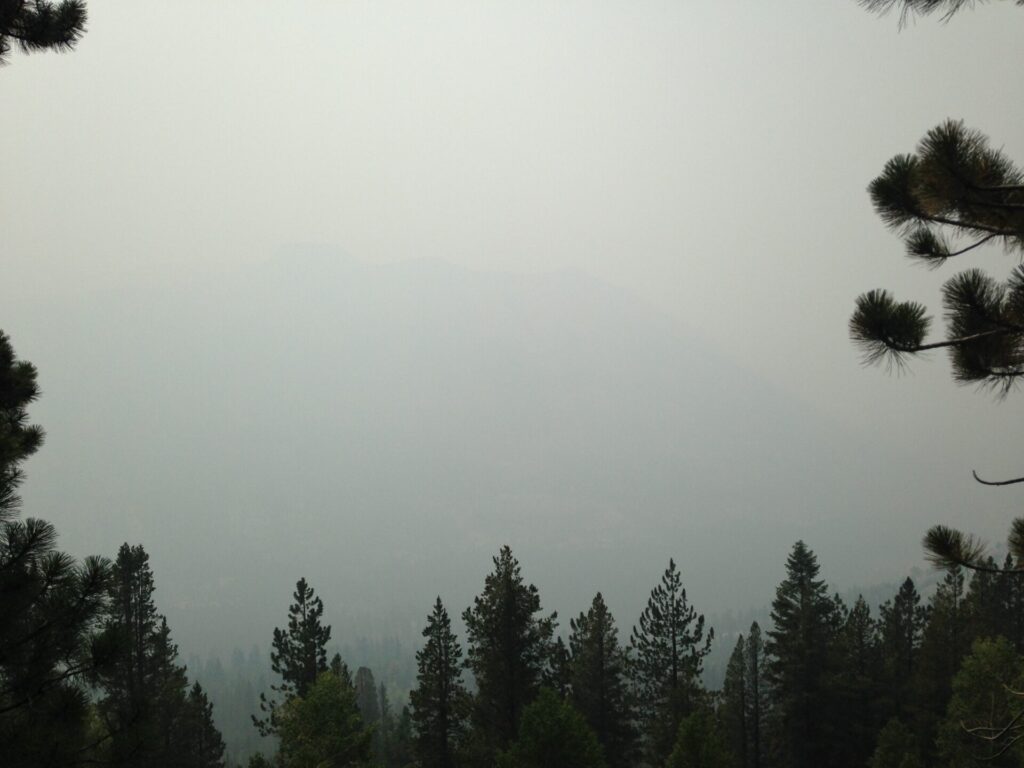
(403, 754)
(757, 696)
(39, 25)
(509, 647)
(298, 655)
(553, 735)
(558, 675)
(322, 729)
(18, 438)
(902, 624)
(366, 696)
(1012, 609)
(168, 701)
(985, 600)
(151, 717)
(857, 686)
(340, 670)
(439, 701)
(700, 743)
(954, 189)
(202, 746)
(943, 646)
(599, 682)
(734, 707)
(129, 684)
(51, 607)
(385, 729)
(669, 646)
(982, 724)
(801, 647)
(896, 748)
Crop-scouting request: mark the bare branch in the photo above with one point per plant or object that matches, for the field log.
(997, 482)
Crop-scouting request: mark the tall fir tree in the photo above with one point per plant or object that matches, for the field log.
(669, 645)
(509, 648)
(599, 682)
(202, 745)
(1012, 609)
(366, 696)
(151, 718)
(902, 623)
(943, 647)
(130, 682)
(857, 685)
(385, 731)
(168, 686)
(558, 675)
(340, 670)
(758, 697)
(440, 702)
(801, 648)
(734, 706)
(984, 601)
(298, 655)
(403, 753)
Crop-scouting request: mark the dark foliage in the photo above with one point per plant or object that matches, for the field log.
(509, 649)
(599, 682)
(440, 702)
(40, 25)
(669, 645)
(298, 655)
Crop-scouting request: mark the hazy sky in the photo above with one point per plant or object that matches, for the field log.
(368, 289)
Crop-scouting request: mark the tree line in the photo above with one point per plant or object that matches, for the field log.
(920, 683)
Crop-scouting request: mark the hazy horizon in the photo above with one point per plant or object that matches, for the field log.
(365, 291)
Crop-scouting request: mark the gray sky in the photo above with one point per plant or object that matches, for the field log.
(365, 290)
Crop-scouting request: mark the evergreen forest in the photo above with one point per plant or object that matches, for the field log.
(931, 674)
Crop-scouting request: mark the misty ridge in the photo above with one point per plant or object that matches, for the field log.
(482, 386)
(387, 427)
(384, 451)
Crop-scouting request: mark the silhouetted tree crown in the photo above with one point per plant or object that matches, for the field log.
(669, 645)
(509, 647)
(39, 25)
(599, 682)
(801, 648)
(298, 654)
(440, 702)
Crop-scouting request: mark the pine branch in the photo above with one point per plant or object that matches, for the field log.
(963, 339)
(997, 482)
(974, 225)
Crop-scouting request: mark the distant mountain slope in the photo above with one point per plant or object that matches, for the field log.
(383, 429)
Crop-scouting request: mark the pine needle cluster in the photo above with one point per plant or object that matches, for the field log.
(40, 25)
(954, 190)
